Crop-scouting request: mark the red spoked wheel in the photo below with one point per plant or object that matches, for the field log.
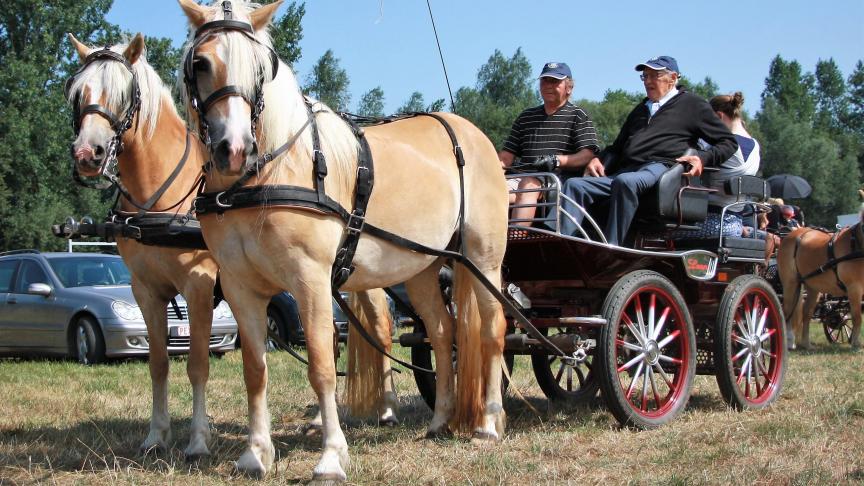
(750, 350)
(647, 350)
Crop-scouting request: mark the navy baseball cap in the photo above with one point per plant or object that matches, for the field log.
(557, 70)
(659, 63)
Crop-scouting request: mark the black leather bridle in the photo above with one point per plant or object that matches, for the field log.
(201, 107)
(108, 167)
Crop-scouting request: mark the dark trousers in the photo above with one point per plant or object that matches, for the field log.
(622, 190)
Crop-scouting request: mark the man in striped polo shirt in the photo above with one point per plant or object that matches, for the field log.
(554, 135)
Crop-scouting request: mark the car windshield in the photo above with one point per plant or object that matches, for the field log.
(86, 271)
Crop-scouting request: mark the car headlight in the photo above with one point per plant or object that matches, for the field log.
(127, 311)
(223, 311)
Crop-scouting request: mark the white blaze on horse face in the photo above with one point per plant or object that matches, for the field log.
(94, 133)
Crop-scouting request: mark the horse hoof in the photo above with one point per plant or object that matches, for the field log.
(311, 429)
(249, 465)
(152, 449)
(192, 458)
(328, 479)
(442, 433)
(484, 437)
(388, 422)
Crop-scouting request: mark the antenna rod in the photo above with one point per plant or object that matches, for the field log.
(441, 54)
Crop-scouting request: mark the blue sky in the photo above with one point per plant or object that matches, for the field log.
(390, 43)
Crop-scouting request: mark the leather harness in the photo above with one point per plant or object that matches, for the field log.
(856, 251)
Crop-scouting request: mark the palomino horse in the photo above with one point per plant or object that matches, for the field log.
(155, 142)
(805, 259)
(246, 97)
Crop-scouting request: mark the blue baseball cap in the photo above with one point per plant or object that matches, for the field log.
(557, 70)
(659, 63)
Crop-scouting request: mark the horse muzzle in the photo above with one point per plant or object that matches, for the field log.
(88, 158)
(232, 158)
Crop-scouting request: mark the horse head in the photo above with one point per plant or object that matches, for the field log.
(227, 62)
(105, 98)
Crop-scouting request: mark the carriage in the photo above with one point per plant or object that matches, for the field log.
(638, 323)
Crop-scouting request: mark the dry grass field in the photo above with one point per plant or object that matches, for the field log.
(62, 423)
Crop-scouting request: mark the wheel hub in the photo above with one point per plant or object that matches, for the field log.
(755, 346)
(652, 352)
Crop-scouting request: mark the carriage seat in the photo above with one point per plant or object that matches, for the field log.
(676, 201)
(738, 188)
(731, 247)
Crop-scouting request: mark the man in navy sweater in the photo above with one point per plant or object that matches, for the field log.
(656, 133)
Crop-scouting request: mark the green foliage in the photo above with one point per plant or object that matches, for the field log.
(286, 33)
(790, 88)
(505, 87)
(372, 103)
(328, 82)
(416, 104)
(707, 88)
(34, 120)
(609, 115)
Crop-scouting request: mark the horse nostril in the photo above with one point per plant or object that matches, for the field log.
(99, 152)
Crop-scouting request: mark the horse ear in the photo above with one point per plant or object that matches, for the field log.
(260, 17)
(196, 14)
(134, 49)
(81, 48)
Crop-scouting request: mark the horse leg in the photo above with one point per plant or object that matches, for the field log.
(424, 292)
(153, 310)
(492, 348)
(806, 315)
(317, 317)
(199, 299)
(479, 403)
(369, 386)
(250, 311)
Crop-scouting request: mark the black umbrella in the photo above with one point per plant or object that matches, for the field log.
(788, 186)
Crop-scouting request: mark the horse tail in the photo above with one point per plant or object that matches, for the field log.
(471, 362)
(364, 389)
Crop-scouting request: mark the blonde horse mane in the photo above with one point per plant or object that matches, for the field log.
(115, 79)
(287, 112)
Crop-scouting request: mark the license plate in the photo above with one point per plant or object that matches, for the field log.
(183, 331)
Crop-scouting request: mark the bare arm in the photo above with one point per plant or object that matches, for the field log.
(506, 158)
(577, 160)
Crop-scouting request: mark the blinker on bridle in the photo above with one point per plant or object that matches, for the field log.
(108, 167)
(201, 107)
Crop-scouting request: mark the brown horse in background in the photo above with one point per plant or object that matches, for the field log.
(804, 259)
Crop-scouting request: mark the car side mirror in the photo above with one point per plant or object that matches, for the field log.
(42, 289)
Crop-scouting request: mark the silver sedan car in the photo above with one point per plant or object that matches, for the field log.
(81, 305)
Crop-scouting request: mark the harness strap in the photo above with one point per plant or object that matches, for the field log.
(148, 205)
(318, 161)
(342, 267)
(831, 258)
(352, 319)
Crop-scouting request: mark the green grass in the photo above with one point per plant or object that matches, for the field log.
(62, 423)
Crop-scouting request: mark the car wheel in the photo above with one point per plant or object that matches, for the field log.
(88, 345)
(275, 327)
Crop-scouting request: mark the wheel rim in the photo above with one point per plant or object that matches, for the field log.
(82, 345)
(652, 353)
(839, 328)
(756, 348)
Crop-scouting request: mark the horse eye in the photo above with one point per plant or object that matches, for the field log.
(201, 65)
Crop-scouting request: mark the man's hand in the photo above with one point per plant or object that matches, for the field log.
(695, 164)
(543, 163)
(595, 168)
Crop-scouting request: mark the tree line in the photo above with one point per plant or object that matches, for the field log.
(810, 123)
